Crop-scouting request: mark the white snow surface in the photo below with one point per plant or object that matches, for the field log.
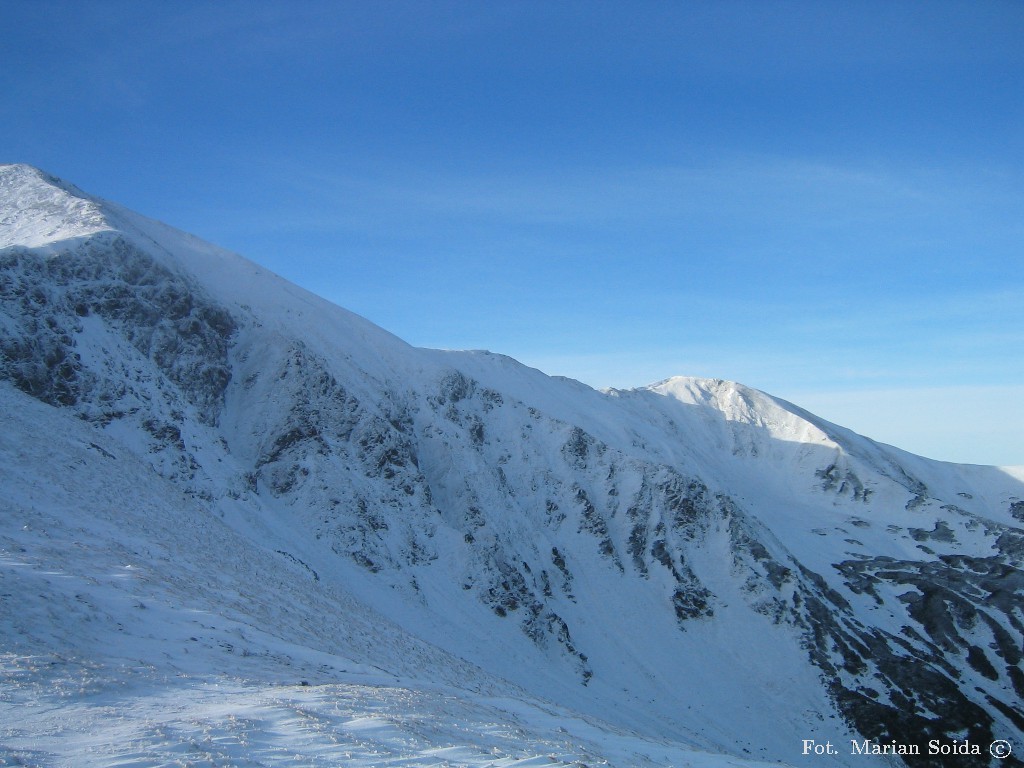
(208, 600)
(40, 209)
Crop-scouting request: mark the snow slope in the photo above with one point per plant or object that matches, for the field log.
(133, 637)
(242, 525)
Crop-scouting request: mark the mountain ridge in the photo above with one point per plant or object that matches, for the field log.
(518, 523)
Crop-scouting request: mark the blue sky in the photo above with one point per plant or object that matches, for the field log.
(822, 200)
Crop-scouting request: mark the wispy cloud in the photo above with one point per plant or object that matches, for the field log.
(760, 189)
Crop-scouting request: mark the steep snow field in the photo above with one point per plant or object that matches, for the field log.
(242, 526)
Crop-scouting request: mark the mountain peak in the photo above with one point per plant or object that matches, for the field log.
(38, 209)
(739, 403)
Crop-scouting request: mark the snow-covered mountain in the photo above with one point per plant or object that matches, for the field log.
(241, 525)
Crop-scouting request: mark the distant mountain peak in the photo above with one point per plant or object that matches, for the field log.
(740, 404)
(39, 209)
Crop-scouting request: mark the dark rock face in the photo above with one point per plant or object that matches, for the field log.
(843, 482)
(47, 302)
(1017, 510)
(961, 613)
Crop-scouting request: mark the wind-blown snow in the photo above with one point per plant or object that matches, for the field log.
(40, 210)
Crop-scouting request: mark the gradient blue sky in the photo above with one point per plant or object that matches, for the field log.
(824, 200)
